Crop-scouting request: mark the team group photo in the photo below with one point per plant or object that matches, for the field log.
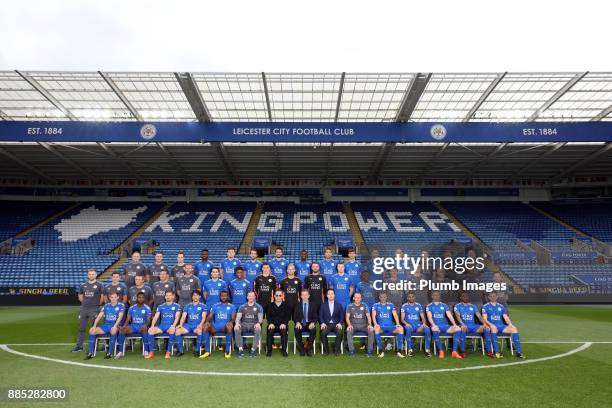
(231, 300)
(277, 204)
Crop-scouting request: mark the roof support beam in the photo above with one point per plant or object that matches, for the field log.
(120, 95)
(26, 165)
(583, 163)
(175, 162)
(193, 95)
(484, 96)
(336, 115)
(340, 92)
(379, 163)
(557, 95)
(267, 95)
(47, 95)
(554, 148)
(484, 160)
(603, 114)
(121, 160)
(409, 102)
(276, 156)
(433, 159)
(223, 158)
(330, 153)
(264, 81)
(68, 161)
(412, 96)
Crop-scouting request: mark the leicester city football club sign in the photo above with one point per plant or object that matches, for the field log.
(295, 132)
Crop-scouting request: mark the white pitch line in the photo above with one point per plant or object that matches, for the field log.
(565, 342)
(584, 346)
(40, 344)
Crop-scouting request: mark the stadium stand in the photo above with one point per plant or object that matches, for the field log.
(502, 225)
(82, 238)
(556, 275)
(376, 221)
(16, 216)
(590, 218)
(303, 227)
(190, 227)
(87, 235)
(499, 225)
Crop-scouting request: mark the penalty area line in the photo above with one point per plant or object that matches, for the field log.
(584, 346)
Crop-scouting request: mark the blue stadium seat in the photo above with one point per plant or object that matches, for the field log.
(16, 216)
(591, 218)
(193, 226)
(309, 231)
(80, 239)
(500, 224)
(375, 221)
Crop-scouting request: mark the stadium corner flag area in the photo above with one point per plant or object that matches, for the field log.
(179, 226)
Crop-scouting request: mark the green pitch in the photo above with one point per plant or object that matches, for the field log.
(567, 372)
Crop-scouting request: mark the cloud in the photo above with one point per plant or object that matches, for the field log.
(305, 36)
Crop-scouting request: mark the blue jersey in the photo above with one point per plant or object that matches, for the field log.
(111, 313)
(367, 292)
(495, 313)
(302, 269)
(252, 269)
(467, 313)
(195, 312)
(384, 314)
(279, 268)
(139, 314)
(438, 313)
(342, 287)
(228, 267)
(328, 268)
(202, 269)
(167, 313)
(239, 290)
(222, 313)
(412, 314)
(213, 289)
(353, 269)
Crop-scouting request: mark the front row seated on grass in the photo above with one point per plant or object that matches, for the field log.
(202, 323)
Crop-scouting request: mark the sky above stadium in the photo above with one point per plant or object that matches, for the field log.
(355, 36)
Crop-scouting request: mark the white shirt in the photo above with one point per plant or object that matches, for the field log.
(331, 310)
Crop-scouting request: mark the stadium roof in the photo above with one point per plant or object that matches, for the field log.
(354, 97)
(303, 97)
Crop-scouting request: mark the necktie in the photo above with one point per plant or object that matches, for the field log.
(305, 313)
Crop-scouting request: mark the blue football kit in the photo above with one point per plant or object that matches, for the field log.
(384, 318)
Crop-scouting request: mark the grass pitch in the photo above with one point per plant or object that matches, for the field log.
(579, 379)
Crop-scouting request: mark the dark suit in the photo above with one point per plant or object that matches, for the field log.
(312, 317)
(277, 315)
(331, 320)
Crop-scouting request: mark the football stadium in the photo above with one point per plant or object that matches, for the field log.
(266, 239)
